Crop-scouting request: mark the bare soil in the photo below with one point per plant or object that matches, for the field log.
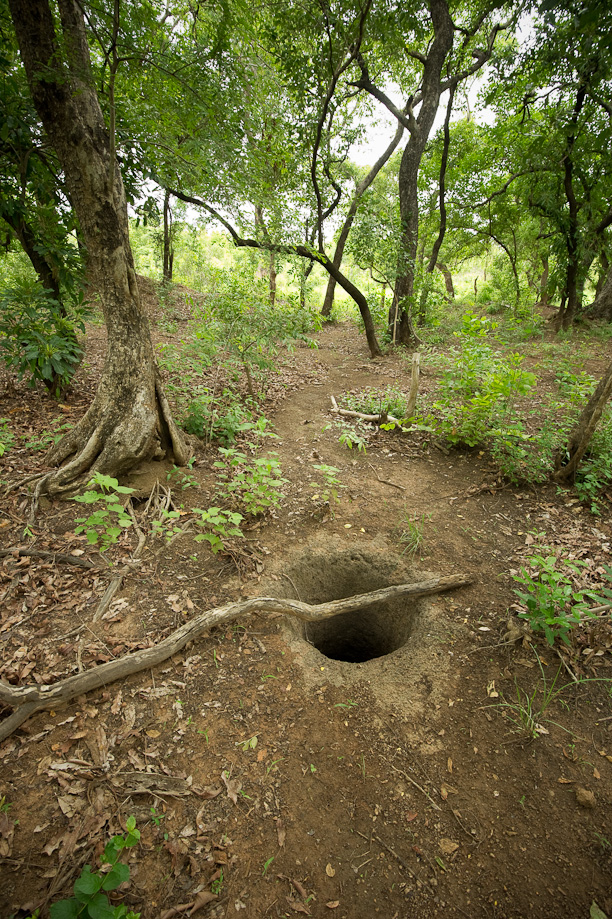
(384, 783)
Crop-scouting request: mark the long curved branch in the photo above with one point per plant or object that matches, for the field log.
(27, 700)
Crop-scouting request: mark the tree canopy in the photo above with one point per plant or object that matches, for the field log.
(254, 117)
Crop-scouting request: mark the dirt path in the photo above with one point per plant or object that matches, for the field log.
(381, 784)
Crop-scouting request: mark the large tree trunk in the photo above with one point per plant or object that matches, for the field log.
(409, 170)
(601, 308)
(129, 419)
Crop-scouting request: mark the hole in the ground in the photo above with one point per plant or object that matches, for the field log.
(363, 635)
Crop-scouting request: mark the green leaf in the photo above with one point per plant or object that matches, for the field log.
(595, 912)
(88, 884)
(100, 908)
(65, 909)
(118, 875)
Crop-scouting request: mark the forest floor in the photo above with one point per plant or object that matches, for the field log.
(259, 768)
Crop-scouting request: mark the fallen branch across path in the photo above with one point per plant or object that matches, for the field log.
(27, 700)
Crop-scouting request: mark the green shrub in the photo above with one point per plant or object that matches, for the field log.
(7, 438)
(218, 526)
(36, 338)
(251, 484)
(479, 388)
(554, 605)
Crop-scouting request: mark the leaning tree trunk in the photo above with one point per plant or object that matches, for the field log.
(580, 437)
(409, 170)
(601, 308)
(129, 419)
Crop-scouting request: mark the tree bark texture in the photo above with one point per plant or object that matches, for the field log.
(126, 422)
(410, 164)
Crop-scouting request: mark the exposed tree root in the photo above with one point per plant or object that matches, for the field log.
(112, 438)
(27, 700)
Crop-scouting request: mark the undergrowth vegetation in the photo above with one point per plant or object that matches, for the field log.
(486, 398)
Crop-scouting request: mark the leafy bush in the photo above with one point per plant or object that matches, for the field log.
(36, 338)
(479, 388)
(218, 526)
(554, 605)
(219, 419)
(252, 484)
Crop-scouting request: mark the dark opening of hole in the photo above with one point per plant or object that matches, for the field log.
(352, 638)
(359, 636)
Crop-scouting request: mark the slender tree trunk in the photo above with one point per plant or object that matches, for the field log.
(272, 275)
(409, 168)
(168, 248)
(383, 294)
(31, 246)
(433, 260)
(362, 187)
(603, 273)
(266, 270)
(129, 419)
(565, 318)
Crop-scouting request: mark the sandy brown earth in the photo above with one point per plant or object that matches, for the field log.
(258, 765)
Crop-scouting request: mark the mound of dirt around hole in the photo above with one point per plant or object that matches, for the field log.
(318, 577)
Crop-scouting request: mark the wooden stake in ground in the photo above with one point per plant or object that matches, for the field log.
(383, 417)
(27, 700)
